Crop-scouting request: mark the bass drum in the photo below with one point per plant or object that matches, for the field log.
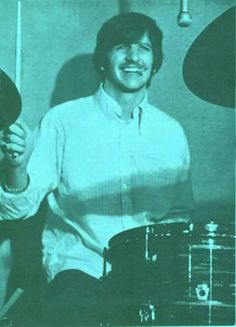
(171, 274)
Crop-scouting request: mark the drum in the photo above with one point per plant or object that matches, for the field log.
(210, 297)
(171, 274)
(149, 273)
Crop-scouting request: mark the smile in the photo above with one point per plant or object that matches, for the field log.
(133, 70)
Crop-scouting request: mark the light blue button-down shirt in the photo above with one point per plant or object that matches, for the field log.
(101, 175)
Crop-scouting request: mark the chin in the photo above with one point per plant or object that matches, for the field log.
(132, 88)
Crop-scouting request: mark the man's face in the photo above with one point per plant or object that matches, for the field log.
(130, 65)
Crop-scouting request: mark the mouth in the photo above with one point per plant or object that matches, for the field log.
(131, 69)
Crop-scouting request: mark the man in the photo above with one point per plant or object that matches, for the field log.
(106, 163)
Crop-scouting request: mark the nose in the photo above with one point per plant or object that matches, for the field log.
(132, 53)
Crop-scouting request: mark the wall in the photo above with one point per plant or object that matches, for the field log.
(58, 38)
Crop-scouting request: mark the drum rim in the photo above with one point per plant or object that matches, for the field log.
(121, 237)
(132, 231)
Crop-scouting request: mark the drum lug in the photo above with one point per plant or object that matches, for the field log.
(147, 313)
(150, 245)
(202, 291)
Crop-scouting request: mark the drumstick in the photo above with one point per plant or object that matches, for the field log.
(9, 304)
(18, 56)
(18, 47)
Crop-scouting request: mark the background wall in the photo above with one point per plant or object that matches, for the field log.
(58, 38)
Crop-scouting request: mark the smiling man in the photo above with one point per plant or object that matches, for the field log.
(129, 68)
(106, 163)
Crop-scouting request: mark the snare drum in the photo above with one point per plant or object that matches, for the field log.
(171, 274)
(149, 273)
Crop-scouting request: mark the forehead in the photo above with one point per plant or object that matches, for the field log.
(144, 39)
(132, 36)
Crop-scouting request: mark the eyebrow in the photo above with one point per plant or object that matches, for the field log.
(144, 43)
(136, 42)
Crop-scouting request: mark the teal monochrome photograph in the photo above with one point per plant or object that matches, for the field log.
(117, 163)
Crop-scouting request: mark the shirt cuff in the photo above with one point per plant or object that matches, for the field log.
(17, 205)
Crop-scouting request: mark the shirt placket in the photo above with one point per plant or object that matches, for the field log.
(126, 130)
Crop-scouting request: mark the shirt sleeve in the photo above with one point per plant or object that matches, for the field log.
(44, 170)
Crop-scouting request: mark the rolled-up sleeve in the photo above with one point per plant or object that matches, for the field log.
(44, 170)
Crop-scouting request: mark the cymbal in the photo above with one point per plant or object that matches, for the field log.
(208, 68)
(10, 101)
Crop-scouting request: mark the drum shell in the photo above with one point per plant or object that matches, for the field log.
(165, 264)
(210, 298)
(148, 264)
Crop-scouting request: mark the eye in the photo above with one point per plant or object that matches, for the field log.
(121, 47)
(145, 47)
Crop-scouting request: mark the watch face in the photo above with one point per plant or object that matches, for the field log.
(10, 101)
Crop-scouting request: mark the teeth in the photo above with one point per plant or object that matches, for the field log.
(132, 70)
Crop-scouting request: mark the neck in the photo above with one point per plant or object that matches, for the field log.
(127, 100)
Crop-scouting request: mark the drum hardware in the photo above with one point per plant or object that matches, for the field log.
(202, 291)
(147, 313)
(211, 227)
(150, 254)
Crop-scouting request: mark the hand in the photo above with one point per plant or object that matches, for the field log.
(17, 144)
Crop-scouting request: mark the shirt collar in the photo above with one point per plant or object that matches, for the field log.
(111, 107)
